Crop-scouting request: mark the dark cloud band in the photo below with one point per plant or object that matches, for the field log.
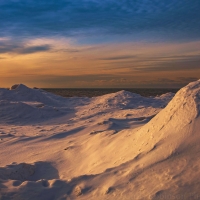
(172, 19)
(20, 48)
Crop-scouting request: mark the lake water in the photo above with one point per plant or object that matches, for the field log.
(88, 92)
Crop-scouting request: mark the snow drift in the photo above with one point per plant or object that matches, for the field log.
(26, 105)
(110, 149)
(20, 92)
(165, 153)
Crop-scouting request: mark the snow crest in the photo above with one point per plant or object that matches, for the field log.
(116, 146)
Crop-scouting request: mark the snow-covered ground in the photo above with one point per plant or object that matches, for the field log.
(116, 146)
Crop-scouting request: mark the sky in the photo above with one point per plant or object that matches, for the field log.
(99, 43)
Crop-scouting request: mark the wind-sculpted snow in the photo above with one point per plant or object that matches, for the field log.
(27, 112)
(128, 100)
(26, 105)
(118, 146)
(183, 111)
(23, 93)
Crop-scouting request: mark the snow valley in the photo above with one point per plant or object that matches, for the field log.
(116, 146)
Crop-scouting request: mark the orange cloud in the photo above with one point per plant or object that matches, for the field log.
(126, 64)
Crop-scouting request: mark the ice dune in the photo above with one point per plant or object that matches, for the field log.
(116, 146)
(26, 112)
(23, 93)
(26, 105)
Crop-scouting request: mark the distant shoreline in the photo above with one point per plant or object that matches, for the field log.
(93, 92)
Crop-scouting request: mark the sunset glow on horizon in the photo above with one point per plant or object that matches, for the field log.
(98, 44)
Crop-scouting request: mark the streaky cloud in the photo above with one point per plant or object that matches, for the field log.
(119, 57)
(34, 49)
(165, 19)
(16, 47)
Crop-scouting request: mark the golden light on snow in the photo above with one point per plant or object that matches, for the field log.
(116, 146)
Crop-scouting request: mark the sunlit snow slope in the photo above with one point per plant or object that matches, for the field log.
(116, 146)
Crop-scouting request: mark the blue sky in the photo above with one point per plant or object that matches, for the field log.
(33, 28)
(168, 20)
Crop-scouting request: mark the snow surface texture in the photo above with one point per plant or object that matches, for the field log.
(115, 146)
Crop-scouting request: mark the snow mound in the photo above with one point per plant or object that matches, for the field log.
(163, 156)
(108, 155)
(22, 112)
(169, 147)
(19, 87)
(165, 97)
(180, 114)
(174, 129)
(13, 87)
(127, 100)
(120, 98)
(20, 92)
